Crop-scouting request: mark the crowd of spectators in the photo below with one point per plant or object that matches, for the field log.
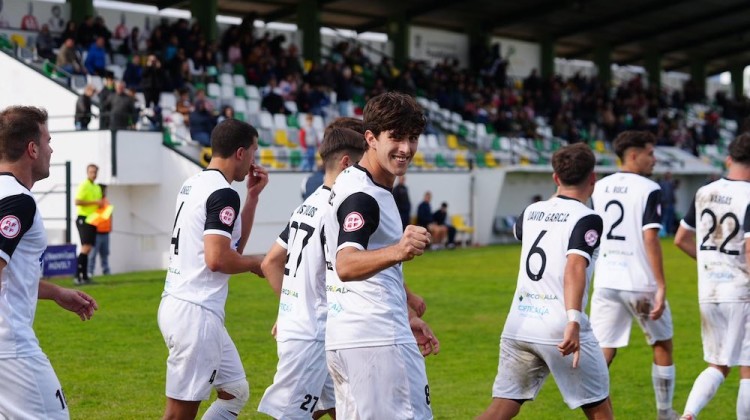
(176, 57)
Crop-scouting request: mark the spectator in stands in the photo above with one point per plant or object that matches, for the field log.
(131, 43)
(105, 101)
(133, 74)
(67, 58)
(424, 219)
(101, 31)
(184, 106)
(197, 67)
(272, 101)
(200, 95)
(344, 91)
(309, 140)
(440, 217)
(123, 112)
(201, 124)
(227, 113)
(70, 31)
(152, 81)
(45, 44)
(121, 31)
(85, 33)
(401, 196)
(83, 108)
(668, 199)
(96, 60)
(56, 23)
(29, 22)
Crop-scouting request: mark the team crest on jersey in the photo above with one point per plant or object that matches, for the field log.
(10, 226)
(591, 236)
(226, 215)
(353, 221)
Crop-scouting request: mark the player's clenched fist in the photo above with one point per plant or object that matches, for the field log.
(413, 242)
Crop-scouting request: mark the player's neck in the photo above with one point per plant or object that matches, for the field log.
(223, 166)
(739, 173)
(576, 193)
(379, 174)
(22, 172)
(631, 168)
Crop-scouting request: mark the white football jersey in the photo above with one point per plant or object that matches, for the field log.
(23, 240)
(369, 312)
(629, 204)
(206, 205)
(550, 231)
(303, 306)
(720, 217)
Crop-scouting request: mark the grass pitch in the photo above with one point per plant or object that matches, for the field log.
(113, 366)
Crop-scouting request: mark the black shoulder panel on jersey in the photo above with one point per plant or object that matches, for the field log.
(16, 217)
(747, 219)
(587, 234)
(358, 217)
(222, 210)
(690, 215)
(652, 212)
(284, 236)
(518, 226)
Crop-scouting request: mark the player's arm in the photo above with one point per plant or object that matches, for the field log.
(273, 267)
(415, 302)
(685, 236)
(426, 340)
(17, 213)
(652, 246)
(358, 217)
(584, 240)
(257, 179)
(81, 200)
(73, 300)
(746, 228)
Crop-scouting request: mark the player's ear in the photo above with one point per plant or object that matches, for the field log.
(592, 178)
(32, 149)
(728, 162)
(345, 162)
(556, 178)
(371, 139)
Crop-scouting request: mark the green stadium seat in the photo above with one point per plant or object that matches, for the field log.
(480, 159)
(441, 161)
(295, 158)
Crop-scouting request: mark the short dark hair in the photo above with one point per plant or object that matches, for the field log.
(632, 138)
(18, 126)
(573, 164)
(739, 149)
(347, 122)
(339, 141)
(230, 135)
(394, 111)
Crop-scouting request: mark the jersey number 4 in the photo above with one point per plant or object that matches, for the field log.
(723, 247)
(176, 233)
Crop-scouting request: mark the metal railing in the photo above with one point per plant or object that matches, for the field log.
(54, 190)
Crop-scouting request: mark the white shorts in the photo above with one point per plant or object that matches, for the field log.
(29, 389)
(612, 313)
(725, 328)
(524, 367)
(385, 382)
(201, 353)
(302, 384)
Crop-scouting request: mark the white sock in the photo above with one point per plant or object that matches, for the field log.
(663, 380)
(743, 400)
(216, 412)
(704, 389)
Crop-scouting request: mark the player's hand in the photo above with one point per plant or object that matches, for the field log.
(426, 340)
(413, 242)
(659, 305)
(274, 329)
(257, 179)
(76, 301)
(571, 342)
(416, 303)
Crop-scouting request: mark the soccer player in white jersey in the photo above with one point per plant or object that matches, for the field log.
(208, 237)
(720, 218)
(629, 281)
(372, 339)
(295, 266)
(29, 388)
(547, 330)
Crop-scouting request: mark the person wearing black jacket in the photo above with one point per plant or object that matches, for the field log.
(83, 108)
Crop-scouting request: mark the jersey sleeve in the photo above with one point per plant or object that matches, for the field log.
(283, 238)
(222, 208)
(358, 217)
(586, 236)
(652, 212)
(746, 224)
(688, 222)
(518, 227)
(16, 217)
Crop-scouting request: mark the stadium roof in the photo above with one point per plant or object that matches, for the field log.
(680, 30)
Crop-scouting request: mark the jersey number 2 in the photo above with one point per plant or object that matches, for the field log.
(723, 248)
(610, 234)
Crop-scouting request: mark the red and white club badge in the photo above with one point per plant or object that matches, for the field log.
(226, 215)
(591, 236)
(353, 221)
(10, 226)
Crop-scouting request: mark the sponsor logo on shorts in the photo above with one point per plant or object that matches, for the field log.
(10, 226)
(591, 236)
(353, 222)
(226, 215)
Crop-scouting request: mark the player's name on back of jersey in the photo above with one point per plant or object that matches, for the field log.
(185, 190)
(307, 210)
(720, 199)
(616, 189)
(540, 216)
